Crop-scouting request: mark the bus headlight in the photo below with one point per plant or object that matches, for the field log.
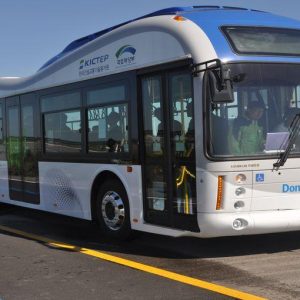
(240, 178)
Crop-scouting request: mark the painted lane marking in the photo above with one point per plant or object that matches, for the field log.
(138, 266)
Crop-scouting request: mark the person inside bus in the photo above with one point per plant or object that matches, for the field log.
(176, 129)
(246, 137)
(94, 134)
(64, 121)
(114, 133)
(65, 130)
(190, 134)
(95, 131)
(94, 138)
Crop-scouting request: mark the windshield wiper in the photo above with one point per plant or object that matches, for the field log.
(294, 131)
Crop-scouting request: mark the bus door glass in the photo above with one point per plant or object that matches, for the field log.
(22, 149)
(155, 152)
(2, 144)
(31, 147)
(169, 152)
(182, 136)
(14, 149)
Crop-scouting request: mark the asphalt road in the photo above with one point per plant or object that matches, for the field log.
(266, 265)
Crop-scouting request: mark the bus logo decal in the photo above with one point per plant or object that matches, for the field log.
(124, 49)
(94, 65)
(126, 55)
(94, 61)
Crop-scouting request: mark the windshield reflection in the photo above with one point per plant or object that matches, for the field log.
(266, 99)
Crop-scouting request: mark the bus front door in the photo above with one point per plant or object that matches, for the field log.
(168, 154)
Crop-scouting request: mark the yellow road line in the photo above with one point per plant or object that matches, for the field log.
(139, 266)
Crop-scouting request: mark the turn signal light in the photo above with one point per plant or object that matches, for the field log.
(220, 192)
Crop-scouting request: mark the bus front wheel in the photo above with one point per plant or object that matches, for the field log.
(113, 210)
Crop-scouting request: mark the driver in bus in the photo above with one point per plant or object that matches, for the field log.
(247, 135)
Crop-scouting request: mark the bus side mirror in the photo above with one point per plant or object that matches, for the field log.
(220, 86)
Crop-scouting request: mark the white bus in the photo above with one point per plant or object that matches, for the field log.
(183, 122)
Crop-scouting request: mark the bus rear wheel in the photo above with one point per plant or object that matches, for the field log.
(113, 210)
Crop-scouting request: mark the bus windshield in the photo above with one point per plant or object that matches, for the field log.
(257, 123)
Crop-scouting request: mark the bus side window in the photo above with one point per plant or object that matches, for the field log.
(62, 131)
(62, 122)
(108, 129)
(108, 118)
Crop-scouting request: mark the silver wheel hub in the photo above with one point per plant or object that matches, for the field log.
(113, 210)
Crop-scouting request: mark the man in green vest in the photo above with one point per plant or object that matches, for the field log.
(246, 137)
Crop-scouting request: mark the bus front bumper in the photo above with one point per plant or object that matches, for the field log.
(255, 222)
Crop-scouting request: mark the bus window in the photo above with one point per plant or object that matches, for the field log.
(62, 122)
(60, 102)
(29, 142)
(107, 119)
(62, 131)
(115, 93)
(263, 105)
(2, 147)
(13, 143)
(108, 129)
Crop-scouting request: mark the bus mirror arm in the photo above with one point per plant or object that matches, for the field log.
(219, 80)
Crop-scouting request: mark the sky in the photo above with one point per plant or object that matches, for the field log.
(33, 31)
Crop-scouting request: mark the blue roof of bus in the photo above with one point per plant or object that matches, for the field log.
(209, 18)
(211, 21)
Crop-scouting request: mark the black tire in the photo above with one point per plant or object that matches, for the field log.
(112, 210)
